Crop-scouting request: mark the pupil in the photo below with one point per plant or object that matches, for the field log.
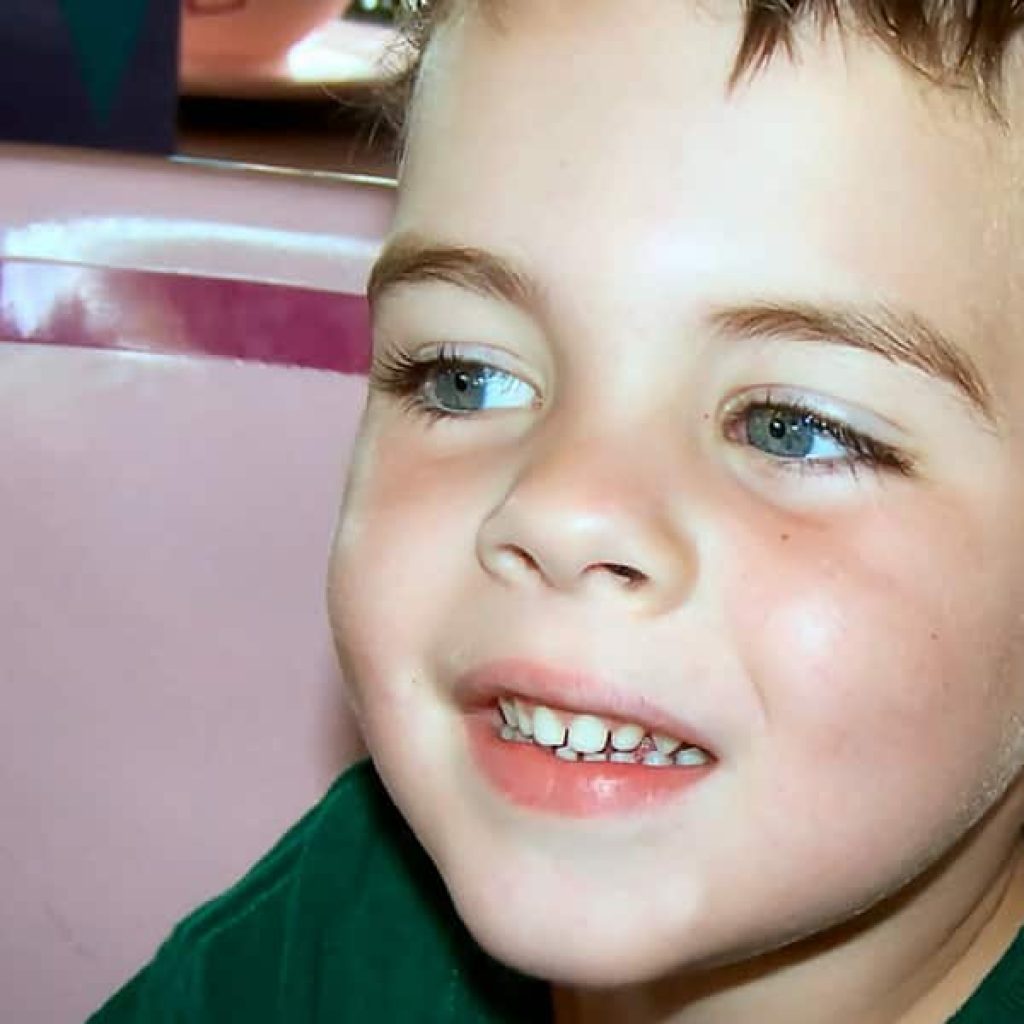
(777, 428)
(462, 381)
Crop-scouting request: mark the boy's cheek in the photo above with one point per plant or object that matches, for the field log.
(882, 646)
(403, 551)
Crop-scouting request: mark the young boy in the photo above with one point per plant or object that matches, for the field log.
(680, 576)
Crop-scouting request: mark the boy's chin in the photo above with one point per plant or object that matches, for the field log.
(565, 956)
(600, 954)
(572, 945)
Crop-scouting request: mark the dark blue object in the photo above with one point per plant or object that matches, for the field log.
(87, 73)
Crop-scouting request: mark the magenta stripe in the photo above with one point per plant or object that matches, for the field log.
(175, 314)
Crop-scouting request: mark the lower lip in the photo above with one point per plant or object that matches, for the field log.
(533, 777)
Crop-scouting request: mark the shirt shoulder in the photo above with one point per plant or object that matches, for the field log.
(345, 919)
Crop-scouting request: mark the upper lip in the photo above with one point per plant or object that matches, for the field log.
(571, 690)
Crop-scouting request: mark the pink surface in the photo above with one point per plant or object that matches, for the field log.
(171, 698)
(160, 312)
(311, 230)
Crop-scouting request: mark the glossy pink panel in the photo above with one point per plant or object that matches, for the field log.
(211, 219)
(146, 311)
(171, 699)
(49, 185)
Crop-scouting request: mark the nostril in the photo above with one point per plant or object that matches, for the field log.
(628, 573)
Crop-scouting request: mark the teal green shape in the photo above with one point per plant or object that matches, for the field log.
(104, 35)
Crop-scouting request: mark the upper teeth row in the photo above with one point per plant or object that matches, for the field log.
(586, 734)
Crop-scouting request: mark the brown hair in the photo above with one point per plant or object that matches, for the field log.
(954, 43)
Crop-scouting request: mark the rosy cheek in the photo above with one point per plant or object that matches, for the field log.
(852, 639)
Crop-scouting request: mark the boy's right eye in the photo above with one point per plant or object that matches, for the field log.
(446, 385)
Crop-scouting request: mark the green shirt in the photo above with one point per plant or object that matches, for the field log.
(346, 920)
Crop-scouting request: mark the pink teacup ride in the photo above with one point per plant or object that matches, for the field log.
(182, 366)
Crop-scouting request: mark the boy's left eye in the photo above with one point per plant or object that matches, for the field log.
(788, 433)
(797, 436)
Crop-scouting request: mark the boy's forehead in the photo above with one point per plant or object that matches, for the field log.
(580, 137)
(648, 88)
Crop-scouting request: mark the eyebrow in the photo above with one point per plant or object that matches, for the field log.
(407, 260)
(896, 335)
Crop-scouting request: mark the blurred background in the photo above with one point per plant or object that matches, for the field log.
(317, 110)
(283, 83)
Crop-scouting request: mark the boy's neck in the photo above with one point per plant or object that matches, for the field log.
(806, 983)
(985, 938)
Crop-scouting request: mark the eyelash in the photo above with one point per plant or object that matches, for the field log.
(404, 376)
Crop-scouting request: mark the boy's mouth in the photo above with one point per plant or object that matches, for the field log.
(565, 743)
(582, 736)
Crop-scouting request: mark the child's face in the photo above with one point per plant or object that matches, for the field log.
(830, 604)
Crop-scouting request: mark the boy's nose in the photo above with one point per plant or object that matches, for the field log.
(596, 519)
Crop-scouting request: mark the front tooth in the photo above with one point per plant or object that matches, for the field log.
(567, 754)
(593, 758)
(627, 737)
(622, 757)
(665, 744)
(548, 729)
(524, 718)
(508, 712)
(509, 732)
(588, 734)
(691, 756)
